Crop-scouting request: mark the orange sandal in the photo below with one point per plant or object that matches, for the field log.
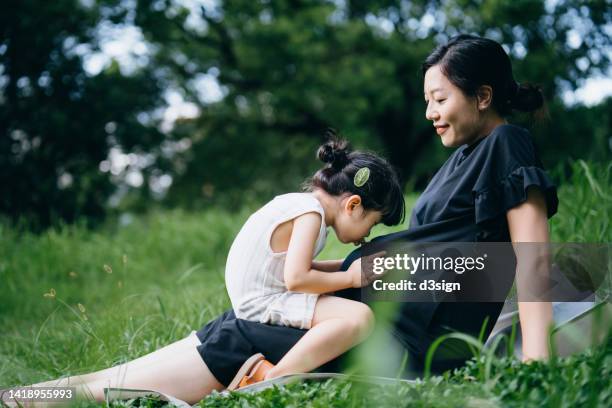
(253, 370)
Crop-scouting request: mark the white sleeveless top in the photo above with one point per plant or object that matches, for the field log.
(254, 274)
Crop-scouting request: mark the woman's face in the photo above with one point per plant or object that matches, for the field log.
(454, 115)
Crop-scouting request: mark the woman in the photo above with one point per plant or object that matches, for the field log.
(492, 188)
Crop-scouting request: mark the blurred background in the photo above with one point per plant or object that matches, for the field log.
(110, 108)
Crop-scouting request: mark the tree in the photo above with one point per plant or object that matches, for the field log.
(57, 121)
(287, 70)
(292, 68)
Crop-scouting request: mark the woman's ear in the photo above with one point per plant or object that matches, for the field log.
(484, 96)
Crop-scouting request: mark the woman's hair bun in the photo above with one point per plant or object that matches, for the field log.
(528, 98)
(335, 151)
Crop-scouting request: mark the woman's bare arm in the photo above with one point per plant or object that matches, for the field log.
(528, 223)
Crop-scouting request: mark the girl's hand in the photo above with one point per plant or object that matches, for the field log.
(355, 272)
(362, 272)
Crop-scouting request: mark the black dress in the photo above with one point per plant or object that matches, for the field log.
(466, 201)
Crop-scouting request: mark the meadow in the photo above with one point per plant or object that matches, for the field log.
(75, 300)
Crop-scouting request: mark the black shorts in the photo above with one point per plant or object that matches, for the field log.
(227, 341)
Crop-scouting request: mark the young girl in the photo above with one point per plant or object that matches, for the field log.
(271, 277)
(270, 273)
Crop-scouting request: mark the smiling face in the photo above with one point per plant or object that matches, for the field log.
(455, 116)
(353, 223)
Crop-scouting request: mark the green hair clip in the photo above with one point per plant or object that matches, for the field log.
(361, 177)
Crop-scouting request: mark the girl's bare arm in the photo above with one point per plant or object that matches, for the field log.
(299, 273)
(332, 265)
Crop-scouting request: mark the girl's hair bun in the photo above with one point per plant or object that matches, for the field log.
(335, 151)
(528, 98)
(381, 191)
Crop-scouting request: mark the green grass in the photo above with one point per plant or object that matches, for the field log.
(581, 380)
(74, 301)
(585, 205)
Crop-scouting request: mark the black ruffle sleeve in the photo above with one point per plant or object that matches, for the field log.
(512, 167)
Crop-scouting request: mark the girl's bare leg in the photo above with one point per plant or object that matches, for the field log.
(338, 324)
(176, 369)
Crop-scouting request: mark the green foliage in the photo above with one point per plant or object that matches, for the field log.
(577, 132)
(584, 216)
(57, 122)
(580, 380)
(287, 70)
(292, 69)
(73, 299)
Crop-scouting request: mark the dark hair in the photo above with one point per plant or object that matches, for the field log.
(381, 192)
(470, 62)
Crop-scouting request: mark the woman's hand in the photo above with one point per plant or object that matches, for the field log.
(536, 318)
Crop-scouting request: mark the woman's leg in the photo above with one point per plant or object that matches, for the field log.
(176, 369)
(337, 325)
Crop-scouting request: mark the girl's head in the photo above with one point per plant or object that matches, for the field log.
(364, 186)
(469, 88)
